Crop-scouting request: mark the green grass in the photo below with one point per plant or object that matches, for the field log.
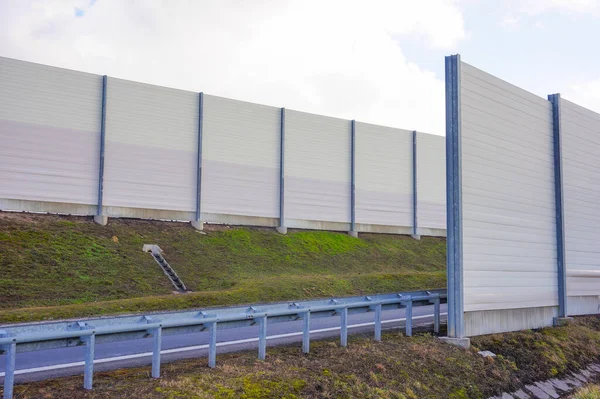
(398, 367)
(57, 267)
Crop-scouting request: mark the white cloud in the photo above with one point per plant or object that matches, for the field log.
(331, 57)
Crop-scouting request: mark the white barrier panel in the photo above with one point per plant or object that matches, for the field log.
(383, 175)
(240, 158)
(151, 147)
(431, 184)
(506, 207)
(509, 231)
(49, 133)
(580, 149)
(317, 168)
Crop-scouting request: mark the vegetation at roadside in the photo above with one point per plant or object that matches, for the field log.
(61, 266)
(589, 392)
(399, 367)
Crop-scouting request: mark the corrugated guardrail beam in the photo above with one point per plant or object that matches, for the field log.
(13, 337)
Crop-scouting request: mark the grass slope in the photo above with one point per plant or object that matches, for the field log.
(398, 367)
(58, 266)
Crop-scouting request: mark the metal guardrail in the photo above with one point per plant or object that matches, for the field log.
(39, 336)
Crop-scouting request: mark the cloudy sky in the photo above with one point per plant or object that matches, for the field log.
(374, 61)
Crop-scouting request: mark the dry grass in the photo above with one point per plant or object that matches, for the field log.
(589, 392)
(399, 367)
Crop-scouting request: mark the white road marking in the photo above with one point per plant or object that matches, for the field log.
(197, 347)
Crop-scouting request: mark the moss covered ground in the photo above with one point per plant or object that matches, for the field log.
(398, 367)
(61, 266)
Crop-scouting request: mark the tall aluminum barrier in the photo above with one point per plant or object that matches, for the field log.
(502, 236)
(431, 184)
(383, 179)
(240, 161)
(151, 151)
(317, 171)
(50, 138)
(86, 144)
(580, 146)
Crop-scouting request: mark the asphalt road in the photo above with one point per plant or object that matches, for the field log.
(40, 365)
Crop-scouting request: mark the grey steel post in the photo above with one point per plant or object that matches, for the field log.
(436, 315)
(378, 322)
(306, 333)
(156, 346)
(88, 372)
(414, 184)
(199, 154)
(344, 327)
(409, 320)
(353, 179)
(102, 146)
(9, 375)
(262, 338)
(558, 200)
(212, 345)
(454, 199)
(282, 228)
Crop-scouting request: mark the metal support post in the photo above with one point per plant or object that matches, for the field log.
(156, 346)
(306, 333)
(262, 338)
(88, 373)
(436, 315)
(9, 375)
(378, 322)
(212, 345)
(409, 320)
(344, 329)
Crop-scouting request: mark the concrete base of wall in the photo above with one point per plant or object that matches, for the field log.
(581, 305)
(316, 225)
(281, 230)
(496, 321)
(101, 220)
(145, 213)
(239, 220)
(185, 216)
(47, 207)
(464, 343)
(416, 236)
(353, 234)
(376, 228)
(424, 231)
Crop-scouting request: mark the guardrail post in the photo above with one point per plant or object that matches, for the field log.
(436, 314)
(9, 375)
(306, 333)
(378, 322)
(262, 338)
(344, 329)
(156, 346)
(88, 373)
(409, 317)
(212, 345)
